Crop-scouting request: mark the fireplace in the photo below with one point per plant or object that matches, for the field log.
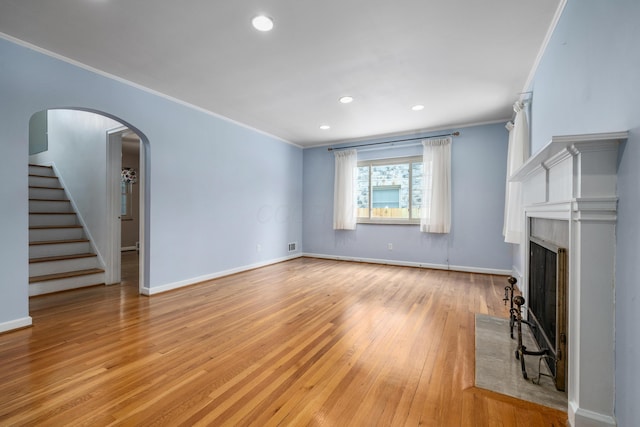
(547, 304)
(573, 180)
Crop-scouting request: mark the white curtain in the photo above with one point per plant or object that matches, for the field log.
(436, 212)
(513, 229)
(345, 213)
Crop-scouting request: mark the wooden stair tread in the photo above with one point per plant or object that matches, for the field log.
(43, 176)
(77, 273)
(46, 188)
(41, 166)
(61, 258)
(52, 227)
(52, 213)
(50, 200)
(58, 242)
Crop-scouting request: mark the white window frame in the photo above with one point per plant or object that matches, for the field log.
(383, 162)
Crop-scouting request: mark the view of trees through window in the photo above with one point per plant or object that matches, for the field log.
(390, 190)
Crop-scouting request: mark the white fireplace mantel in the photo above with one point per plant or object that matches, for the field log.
(573, 179)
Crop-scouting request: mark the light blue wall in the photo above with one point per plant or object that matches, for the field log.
(589, 81)
(478, 178)
(217, 189)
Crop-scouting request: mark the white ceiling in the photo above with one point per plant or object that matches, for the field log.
(466, 60)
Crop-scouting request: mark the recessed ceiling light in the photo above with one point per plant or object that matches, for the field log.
(346, 99)
(262, 23)
(325, 127)
(417, 107)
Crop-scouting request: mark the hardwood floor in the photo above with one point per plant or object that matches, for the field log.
(129, 268)
(305, 342)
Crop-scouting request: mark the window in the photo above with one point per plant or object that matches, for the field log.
(389, 191)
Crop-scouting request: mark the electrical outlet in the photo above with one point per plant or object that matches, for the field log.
(390, 246)
(258, 247)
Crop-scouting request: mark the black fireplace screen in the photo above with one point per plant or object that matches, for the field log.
(547, 304)
(542, 293)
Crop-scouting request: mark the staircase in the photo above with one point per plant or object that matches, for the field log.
(60, 255)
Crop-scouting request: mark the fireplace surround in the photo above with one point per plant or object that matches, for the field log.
(573, 179)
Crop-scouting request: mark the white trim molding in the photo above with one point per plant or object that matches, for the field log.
(460, 268)
(149, 291)
(573, 179)
(16, 324)
(545, 43)
(153, 290)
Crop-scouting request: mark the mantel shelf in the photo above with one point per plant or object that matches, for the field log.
(563, 145)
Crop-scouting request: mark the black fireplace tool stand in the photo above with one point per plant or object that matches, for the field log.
(515, 319)
(508, 297)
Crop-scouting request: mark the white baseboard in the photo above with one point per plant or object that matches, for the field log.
(462, 268)
(16, 324)
(516, 273)
(580, 417)
(176, 285)
(188, 282)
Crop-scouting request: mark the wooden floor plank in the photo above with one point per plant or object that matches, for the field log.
(304, 342)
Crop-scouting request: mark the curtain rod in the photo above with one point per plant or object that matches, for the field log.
(395, 140)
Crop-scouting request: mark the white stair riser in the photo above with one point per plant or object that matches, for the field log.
(41, 251)
(36, 220)
(46, 193)
(40, 288)
(36, 170)
(39, 235)
(62, 266)
(52, 199)
(50, 206)
(39, 181)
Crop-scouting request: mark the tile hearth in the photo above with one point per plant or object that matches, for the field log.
(498, 370)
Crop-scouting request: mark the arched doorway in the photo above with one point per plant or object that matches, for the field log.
(83, 150)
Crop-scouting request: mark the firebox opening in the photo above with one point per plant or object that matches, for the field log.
(547, 304)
